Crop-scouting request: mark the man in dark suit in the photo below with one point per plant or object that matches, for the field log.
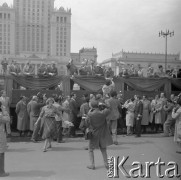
(138, 115)
(36, 107)
(73, 113)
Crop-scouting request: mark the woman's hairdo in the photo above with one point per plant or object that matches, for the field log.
(49, 99)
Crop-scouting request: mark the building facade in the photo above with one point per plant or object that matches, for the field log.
(61, 33)
(7, 30)
(125, 59)
(88, 55)
(37, 30)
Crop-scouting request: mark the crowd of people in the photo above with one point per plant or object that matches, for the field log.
(138, 114)
(149, 72)
(49, 70)
(125, 70)
(99, 117)
(44, 70)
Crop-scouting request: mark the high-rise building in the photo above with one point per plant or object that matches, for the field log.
(61, 32)
(35, 27)
(7, 30)
(33, 30)
(41, 29)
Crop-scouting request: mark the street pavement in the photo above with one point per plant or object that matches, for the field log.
(67, 161)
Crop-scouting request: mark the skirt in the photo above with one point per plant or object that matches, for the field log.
(49, 128)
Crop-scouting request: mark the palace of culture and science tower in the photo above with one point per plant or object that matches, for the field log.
(33, 30)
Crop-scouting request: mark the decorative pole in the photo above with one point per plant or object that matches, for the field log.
(165, 34)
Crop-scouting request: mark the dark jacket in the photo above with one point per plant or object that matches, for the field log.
(73, 110)
(101, 134)
(139, 110)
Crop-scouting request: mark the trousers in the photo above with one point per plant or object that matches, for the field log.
(36, 131)
(2, 163)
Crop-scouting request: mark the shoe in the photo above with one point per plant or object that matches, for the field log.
(115, 142)
(164, 135)
(33, 140)
(62, 141)
(179, 152)
(4, 174)
(44, 150)
(9, 135)
(137, 136)
(91, 167)
(86, 148)
(49, 147)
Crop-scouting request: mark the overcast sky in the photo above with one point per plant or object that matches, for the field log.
(131, 25)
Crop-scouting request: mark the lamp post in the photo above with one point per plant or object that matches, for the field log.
(165, 34)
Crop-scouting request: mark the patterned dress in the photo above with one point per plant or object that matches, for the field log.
(48, 121)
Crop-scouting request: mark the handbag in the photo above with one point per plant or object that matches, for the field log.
(4, 119)
(88, 134)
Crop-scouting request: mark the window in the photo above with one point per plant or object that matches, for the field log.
(8, 16)
(57, 19)
(65, 19)
(4, 16)
(0, 15)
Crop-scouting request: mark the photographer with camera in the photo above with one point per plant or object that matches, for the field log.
(100, 136)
